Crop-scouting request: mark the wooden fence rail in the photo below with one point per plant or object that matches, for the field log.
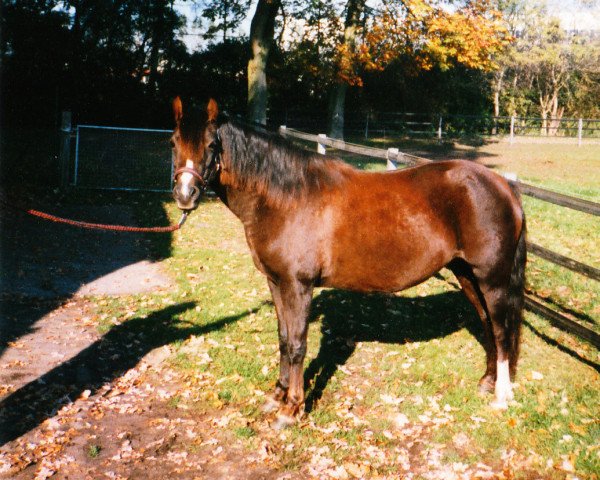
(559, 199)
(394, 156)
(566, 262)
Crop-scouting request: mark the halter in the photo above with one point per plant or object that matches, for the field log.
(209, 173)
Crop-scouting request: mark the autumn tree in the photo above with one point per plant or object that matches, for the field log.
(347, 48)
(428, 31)
(471, 34)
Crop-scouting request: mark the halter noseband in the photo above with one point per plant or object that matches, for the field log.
(209, 173)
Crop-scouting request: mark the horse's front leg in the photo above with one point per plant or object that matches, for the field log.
(295, 298)
(276, 401)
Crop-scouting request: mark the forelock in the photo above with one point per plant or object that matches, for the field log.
(192, 126)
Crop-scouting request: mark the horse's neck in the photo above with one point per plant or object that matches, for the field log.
(242, 204)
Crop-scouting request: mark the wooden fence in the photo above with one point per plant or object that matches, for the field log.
(394, 156)
(445, 126)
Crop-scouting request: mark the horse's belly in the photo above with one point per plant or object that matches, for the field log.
(388, 271)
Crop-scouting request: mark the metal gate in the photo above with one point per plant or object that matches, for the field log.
(114, 158)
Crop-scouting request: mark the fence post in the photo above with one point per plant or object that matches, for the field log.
(440, 130)
(321, 148)
(65, 149)
(392, 159)
(579, 131)
(512, 129)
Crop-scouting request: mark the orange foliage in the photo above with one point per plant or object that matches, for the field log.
(471, 35)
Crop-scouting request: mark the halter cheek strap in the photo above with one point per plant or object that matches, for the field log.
(215, 162)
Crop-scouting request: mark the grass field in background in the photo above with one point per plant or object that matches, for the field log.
(392, 378)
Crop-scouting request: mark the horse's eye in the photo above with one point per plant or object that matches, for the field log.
(172, 142)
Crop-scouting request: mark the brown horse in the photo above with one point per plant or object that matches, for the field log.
(313, 221)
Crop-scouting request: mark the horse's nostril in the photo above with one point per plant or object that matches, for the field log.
(195, 193)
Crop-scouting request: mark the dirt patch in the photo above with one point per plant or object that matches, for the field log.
(54, 339)
(132, 428)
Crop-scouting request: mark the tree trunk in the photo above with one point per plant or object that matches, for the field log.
(336, 110)
(498, 85)
(158, 12)
(153, 63)
(261, 39)
(545, 108)
(338, 97)
(75, 67)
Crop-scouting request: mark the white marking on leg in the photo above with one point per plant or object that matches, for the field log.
(185, 180)
(504, 391)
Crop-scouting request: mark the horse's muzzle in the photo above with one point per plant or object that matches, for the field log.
(187, 199)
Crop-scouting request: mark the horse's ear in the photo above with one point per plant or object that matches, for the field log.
(177, 109)
(213, 110)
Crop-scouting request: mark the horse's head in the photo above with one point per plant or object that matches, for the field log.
(196, 153)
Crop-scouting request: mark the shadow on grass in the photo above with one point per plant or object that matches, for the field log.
(562, 308)
(465, 148)
(562, 348)
(349, 317)
(104, 360)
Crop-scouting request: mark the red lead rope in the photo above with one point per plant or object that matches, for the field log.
(99, 226)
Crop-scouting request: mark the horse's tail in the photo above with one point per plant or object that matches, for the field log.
(516, 299)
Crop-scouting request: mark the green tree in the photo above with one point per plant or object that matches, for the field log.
(547, 71)
(223, 16)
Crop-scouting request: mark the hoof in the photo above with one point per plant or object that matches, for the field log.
(502, 399)
(271, 405)
(486, 385)
(499, 405)
(283, 421)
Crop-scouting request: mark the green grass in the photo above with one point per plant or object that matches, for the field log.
(245, 432)
(93, 451)
(373, 358)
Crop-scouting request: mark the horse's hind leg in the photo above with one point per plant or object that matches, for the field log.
(496, 299)
(503, 289)
(492, 303)
(464, 274)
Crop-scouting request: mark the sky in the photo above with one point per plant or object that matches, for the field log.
(193, 39)
(576, 14)
(573, 14)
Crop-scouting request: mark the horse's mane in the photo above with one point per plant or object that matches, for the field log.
(275, 168)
